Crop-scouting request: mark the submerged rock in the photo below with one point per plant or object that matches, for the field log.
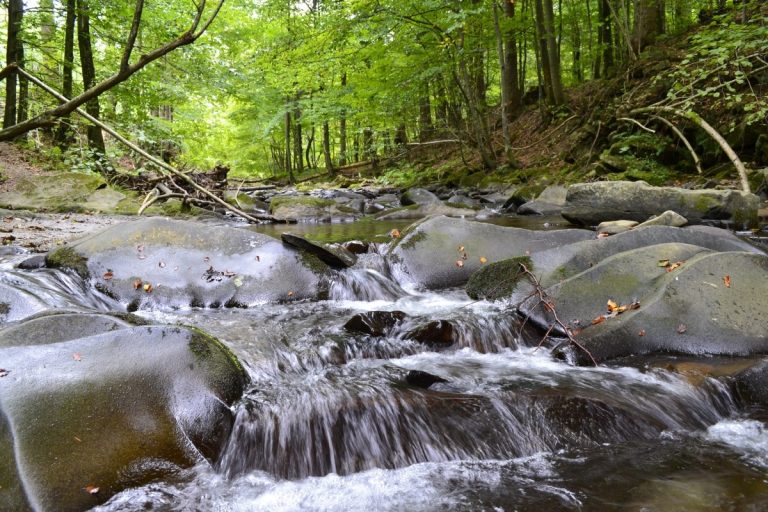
(440, 252)
(166, 263)
(375, 323)
(119, 408)
(592, 203)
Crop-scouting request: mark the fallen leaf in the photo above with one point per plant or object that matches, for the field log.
(290, 294)
(459, 263)
(682, 328)
(4, 372)
(77, 357)
(663, 263)
(136, 283)
(78, 439)
(483, 260)
(600, 319)
(147, 287)
(727, 281)
(460, 248)
(675, 265)
(228, 273)
(464, 256)
(8, 219)
(91, 489)
(602, 235)
(207, 259)
(140, 248)
(612, 306)
(161, 264)
(395, 233)
(257, 258)
(641, 333)
(108, 275)
(8, 239)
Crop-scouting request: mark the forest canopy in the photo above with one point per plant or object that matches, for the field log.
(285, 88)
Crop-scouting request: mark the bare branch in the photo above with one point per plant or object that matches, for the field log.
(682, 137)
(134, 33)
(635, 121)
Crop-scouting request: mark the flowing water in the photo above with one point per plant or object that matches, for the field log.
(331, 423)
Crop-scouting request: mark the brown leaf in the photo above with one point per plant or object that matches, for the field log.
(641, 333)
(600, 319)
(612, 306)
(483, 260)
(136, 283)
(663, 263)
(675, 265)
(460, 248)
(290, 294)
(91, 489)
(464, 256)
(207, 259)
(682, 328)
(108, 275)
(727, 281)
(77, 357)
(603, 235)
(459, 263)
(395, 233)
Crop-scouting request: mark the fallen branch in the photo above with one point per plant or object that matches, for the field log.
(548, 304)
(162, 165)
(682, 137)
(701, 123)
(635, 121)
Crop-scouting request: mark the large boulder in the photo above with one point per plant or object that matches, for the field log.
(552, 266)
(91, 405)
(441, 252)
(549, 202)
(165, 263)
(592, 203)
(418, 196)
(307, 208)
(711, 304)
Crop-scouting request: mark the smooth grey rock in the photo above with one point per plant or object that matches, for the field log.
(690, 310)
(428, 252)
(162, 263)
(537, 207)
(667, 218)
(114, 410)
(592, 203)
(614, 227)
(418, 196)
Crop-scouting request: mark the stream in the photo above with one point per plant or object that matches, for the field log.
(329, 422)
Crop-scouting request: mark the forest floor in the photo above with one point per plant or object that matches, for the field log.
(39, 232)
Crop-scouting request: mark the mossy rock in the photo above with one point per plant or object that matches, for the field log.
(133, 405)
(309, 208)
(498, 280)
(59, 192)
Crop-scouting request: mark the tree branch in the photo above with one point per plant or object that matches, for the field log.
(70, 105)
(134, 33)
(682, 137)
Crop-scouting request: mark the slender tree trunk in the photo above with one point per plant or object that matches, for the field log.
(298, 144)
(288, 154)
(327, 148)
(506, 83)
(426, 128)
(543, 54)
(63, 134)
(95, 138)
(577, 74)
(401, 135)
(515, 94)
(554, 57)
(343, 129)
(15, 17)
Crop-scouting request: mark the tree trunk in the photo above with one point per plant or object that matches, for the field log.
(288, 155)
(297, 139)
(327, 148)
(426, 128)
(401, 135)
(343, 129)
(63, 134)
(95, 138)
(604, 64)
(649, 23)
(553, 54)
(15, 17)
(511, 76)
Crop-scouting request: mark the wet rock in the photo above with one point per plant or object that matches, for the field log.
(114, 410)
(428, 253)
(711, 304)
(592, 203)
(308, 208)
(668, 218)
(426, 210)
(614, 227)
(33, 262)
(375, 323)
(462, 200)
(436, 334)
(552, 266)
(162, 263)
(418, 196)
(420, 379)
(752, 384)
(497, 280)
(16, 303)
(336, 257)
(356, 246)
(549, 202)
